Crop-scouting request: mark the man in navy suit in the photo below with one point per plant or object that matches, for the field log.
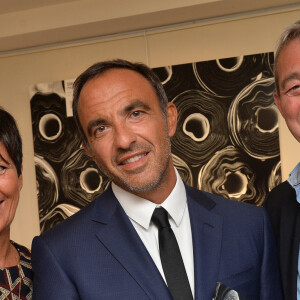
(110, 249)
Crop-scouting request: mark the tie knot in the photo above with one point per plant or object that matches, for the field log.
(160, 218)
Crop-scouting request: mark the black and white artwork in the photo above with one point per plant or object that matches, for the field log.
(226, 143)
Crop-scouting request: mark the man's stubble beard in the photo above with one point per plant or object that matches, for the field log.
(145, 188)
(140, 188)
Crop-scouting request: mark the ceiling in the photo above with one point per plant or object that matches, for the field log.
(17, 5)
(38, 23)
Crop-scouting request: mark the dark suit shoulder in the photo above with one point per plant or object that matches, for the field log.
(282, 195)
(81, 221)
(281, 203)
(224, 206)
(69, 225)
(282, 206)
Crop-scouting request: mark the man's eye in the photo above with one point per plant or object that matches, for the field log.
(100, 129)
(2, 170)
(136, 113)
(294, 91)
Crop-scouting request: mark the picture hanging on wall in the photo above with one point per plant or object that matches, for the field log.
(226, 143)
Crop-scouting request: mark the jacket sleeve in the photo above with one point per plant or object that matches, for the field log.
(50, 282)
(270, 277)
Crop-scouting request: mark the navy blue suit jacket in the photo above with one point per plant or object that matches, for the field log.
(97, 254)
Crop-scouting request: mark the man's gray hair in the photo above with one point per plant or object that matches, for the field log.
(291, 33)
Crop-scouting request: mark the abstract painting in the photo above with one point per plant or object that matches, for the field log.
(226, 143)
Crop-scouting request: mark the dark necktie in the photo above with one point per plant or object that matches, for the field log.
(170, 256)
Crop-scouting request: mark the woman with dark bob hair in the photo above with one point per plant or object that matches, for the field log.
(15, 262)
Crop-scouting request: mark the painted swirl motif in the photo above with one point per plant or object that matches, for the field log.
(253, 121)
(56, 215)
(53, 133)
(177, 79)
(47, 185)
(226, 77)
(81, 179)
(201, 127)
(275, 176)
(183, 169)
(229, 174)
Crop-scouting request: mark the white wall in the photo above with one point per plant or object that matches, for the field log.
(177, 45)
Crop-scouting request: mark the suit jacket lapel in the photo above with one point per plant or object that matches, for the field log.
(118, 235)
(207, 237)
(295, 253)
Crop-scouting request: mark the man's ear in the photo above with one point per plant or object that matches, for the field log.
(277, 101)
(20, 179)
(87, 149)
(171, 118)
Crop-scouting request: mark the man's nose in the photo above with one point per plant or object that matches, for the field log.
(124, 136)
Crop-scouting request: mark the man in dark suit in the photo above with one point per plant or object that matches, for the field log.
(282, 203)
(149, 236)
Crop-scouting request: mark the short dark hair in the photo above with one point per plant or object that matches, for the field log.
(101, 67)
(11, 139)
(291, 33)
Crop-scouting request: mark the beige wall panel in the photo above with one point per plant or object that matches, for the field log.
(223, 39)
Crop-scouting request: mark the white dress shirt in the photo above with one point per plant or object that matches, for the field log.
(140, 211)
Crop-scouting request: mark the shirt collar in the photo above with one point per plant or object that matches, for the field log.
(140, 210)
(294, 180)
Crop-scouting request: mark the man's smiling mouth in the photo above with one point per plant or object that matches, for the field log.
(133, 159)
